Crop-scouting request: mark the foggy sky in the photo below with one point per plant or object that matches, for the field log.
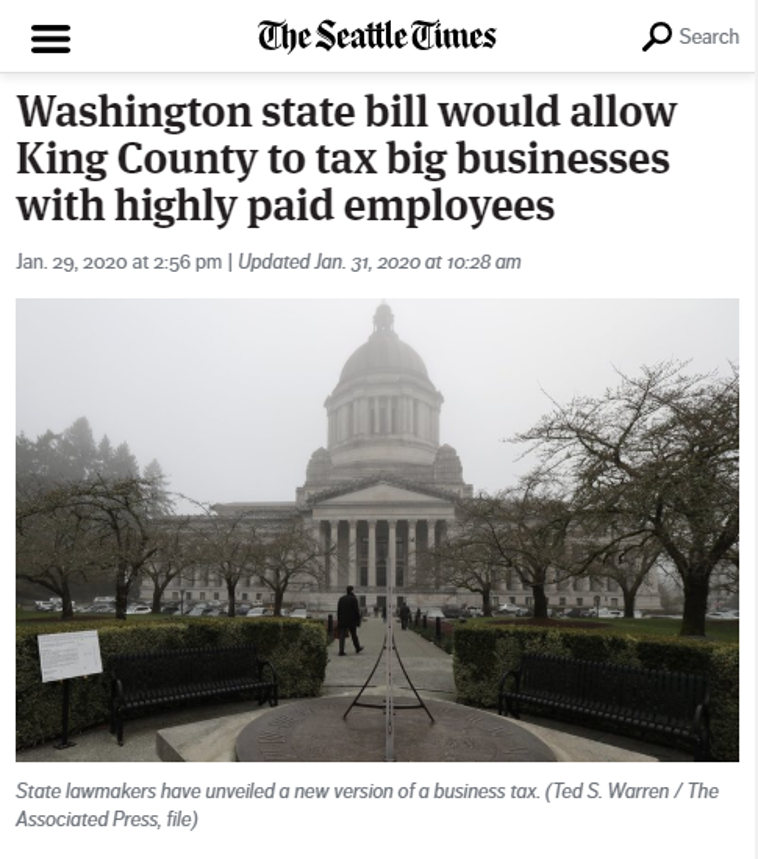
(229, 395)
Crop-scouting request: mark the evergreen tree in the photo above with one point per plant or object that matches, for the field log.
(124, 464)
(104, 457)
(160, 501)
(78, 452)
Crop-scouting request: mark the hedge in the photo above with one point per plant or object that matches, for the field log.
(482, 652)
(297, 649)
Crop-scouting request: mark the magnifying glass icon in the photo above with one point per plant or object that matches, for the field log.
(660, 33)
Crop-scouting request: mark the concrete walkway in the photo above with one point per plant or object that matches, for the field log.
(208, 732)
(429, 668)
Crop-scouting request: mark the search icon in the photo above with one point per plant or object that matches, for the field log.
(666, 34)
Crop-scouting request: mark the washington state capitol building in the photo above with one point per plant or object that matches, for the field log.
(382, 493)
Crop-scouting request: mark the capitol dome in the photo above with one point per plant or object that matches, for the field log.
(383, 418)
(384, 352)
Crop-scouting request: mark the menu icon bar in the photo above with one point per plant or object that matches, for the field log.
(50, 39)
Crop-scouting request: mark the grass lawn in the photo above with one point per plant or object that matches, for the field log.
(52, 616)
(717, 630)
(35, 617)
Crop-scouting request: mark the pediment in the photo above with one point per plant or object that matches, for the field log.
(385, 493)
(382, 499)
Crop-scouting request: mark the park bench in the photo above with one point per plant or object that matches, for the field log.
(672, 706)
(141, 681)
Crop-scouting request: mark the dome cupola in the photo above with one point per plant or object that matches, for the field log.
(384, 413)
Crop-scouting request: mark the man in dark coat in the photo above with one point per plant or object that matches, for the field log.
(348, 619)
(405, 615)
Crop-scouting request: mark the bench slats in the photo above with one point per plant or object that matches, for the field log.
(666, 703)
(159, 678)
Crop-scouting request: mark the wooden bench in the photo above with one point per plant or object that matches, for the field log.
(670, 706)
(154, 679)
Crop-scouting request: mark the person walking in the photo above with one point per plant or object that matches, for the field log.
(405, 614)
(348, 619)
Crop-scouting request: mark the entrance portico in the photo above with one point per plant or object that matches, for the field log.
(381, 527)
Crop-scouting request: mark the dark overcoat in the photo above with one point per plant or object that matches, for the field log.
(348, 612)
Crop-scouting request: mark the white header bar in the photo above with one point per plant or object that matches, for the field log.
(390, 37)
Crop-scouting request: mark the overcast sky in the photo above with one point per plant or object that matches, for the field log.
(229, 395)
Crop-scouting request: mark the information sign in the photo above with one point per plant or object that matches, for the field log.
(69, 654)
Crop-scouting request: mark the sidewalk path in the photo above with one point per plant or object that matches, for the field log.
(429, 668)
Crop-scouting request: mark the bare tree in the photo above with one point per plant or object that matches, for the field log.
(56, 547)
(121, 531)
(629, 565)
(660, 452)
(229, 546)
(540, 537)
(289, 557)
(176, 550)
(470, 557)
(524, 532)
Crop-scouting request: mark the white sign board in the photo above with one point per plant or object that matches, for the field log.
(69, 654)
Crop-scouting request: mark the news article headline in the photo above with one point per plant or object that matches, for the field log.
(423, 160)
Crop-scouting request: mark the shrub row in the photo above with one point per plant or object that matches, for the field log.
(296, 648)
(483, 652)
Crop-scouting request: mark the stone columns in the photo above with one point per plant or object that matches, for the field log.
(372, 553)
(431, 540)
(410, 565)
(352, 573)
(392, 550)
(431, 545)
(334, 558)
(326, 545)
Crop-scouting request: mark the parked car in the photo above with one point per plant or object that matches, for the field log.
(507, 608)
(138, 609)
(256, 611)
(103, 608)
(432, 613)
(452, 611)
(45, 605)
(298, 612)
(574, 612)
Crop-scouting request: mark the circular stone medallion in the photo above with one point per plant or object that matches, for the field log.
(316, 731)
